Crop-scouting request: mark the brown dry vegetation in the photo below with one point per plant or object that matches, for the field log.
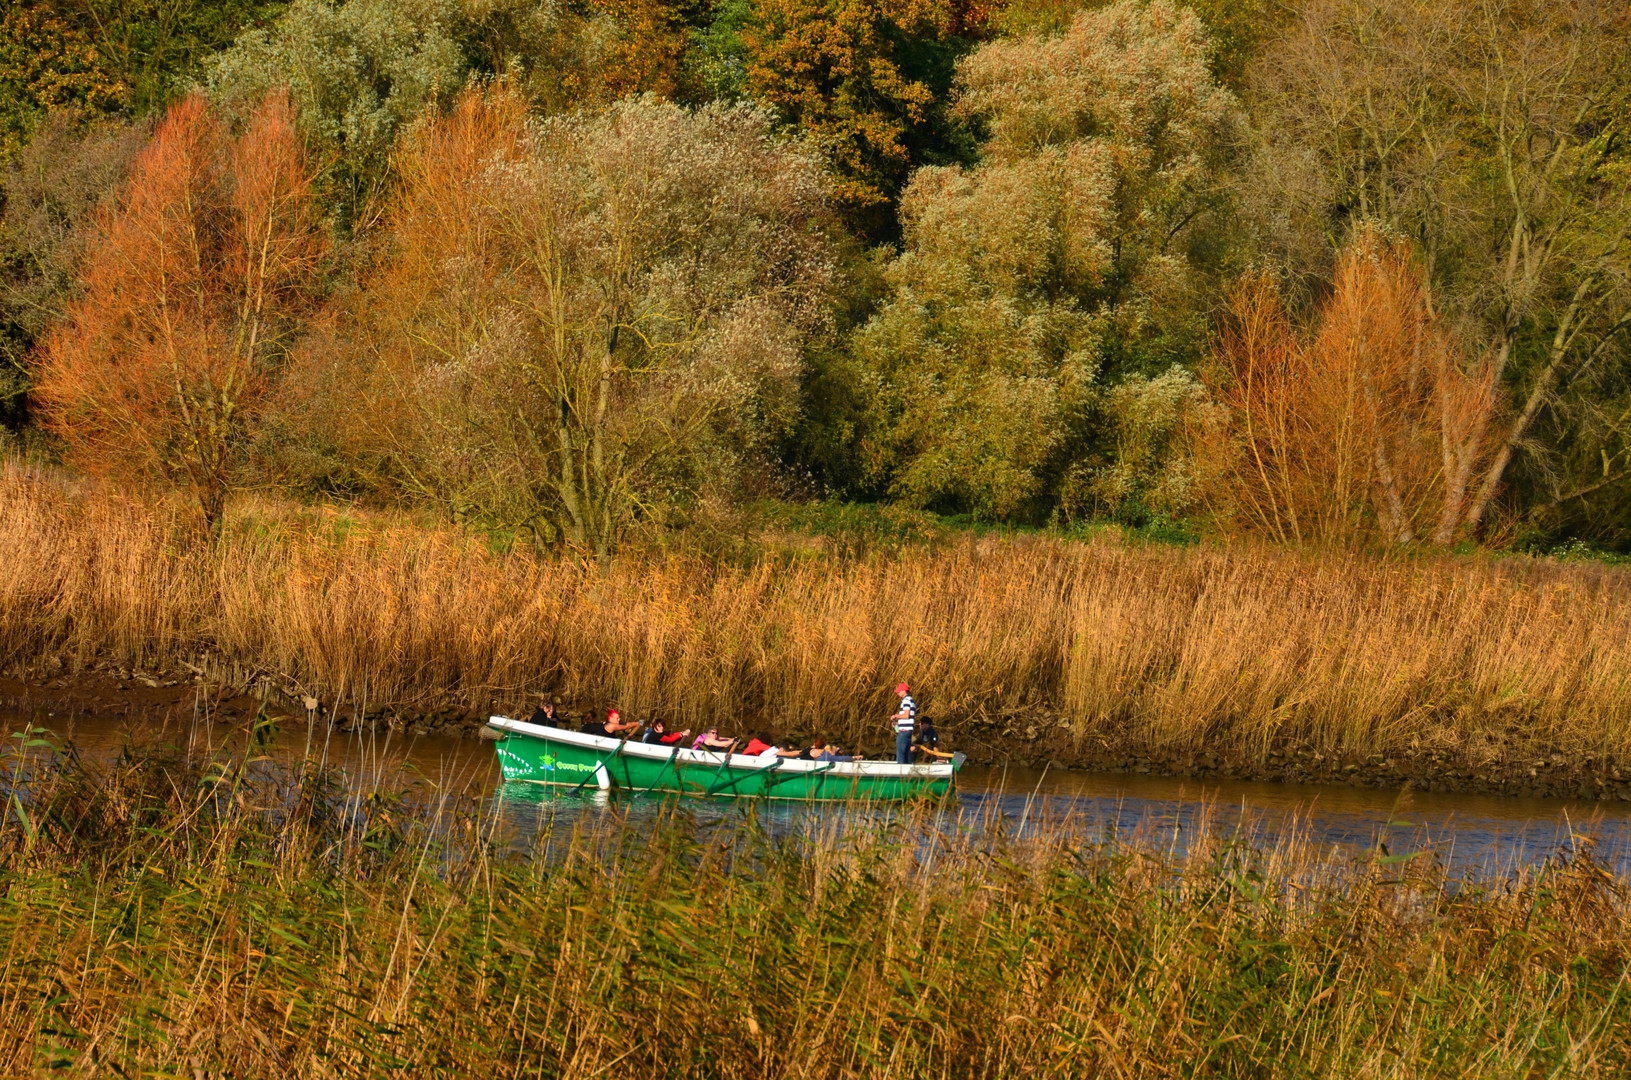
(1370, 425)
(1227, 650)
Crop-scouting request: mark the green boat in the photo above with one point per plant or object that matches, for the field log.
(547, 755)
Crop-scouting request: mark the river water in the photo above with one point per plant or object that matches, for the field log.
(1472, 834)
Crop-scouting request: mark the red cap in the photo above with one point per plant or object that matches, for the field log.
(903, 689)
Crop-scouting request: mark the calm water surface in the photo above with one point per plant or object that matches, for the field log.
(1479, 833)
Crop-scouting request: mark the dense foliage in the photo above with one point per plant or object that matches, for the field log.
(1073, 254)
(584, 319)
(108, 57)
(1047, 232)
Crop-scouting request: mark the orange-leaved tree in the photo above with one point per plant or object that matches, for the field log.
(193, 286)
(1369, 425)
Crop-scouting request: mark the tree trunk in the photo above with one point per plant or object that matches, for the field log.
(568, 483)
(1457, 475)
(1540, 396)
(1397, 521)
(1461, 439)
(602, 514)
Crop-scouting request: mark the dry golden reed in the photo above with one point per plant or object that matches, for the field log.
(1231, 648)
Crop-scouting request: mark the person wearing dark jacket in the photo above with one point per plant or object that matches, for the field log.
(659, 734)
(544, 715)
(928, 742)
(611, 727)
(820, 751)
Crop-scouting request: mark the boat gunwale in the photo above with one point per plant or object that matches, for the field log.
(872, 770)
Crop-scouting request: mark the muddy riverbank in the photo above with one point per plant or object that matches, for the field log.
(1018, 738)
(1492, 767)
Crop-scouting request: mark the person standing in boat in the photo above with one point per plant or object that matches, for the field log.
(544, 715)
(905, 720)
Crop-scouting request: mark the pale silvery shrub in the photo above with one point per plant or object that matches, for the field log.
(1067, 244)
(358, 70)
(592, 319)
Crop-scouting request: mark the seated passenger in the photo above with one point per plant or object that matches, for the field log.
(712, 740)
(615, 725)
(659, 734)
(928, 742)
(764, 748)
(820, 751)
(544, 714)
(611, 727)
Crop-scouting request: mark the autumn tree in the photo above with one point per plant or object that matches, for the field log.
(1237, 29)
(1491, 132)
(589, 318)
(866, 81)
(193, 287)
(361, 71)
(1368, 425)
(49, 61)
(652, 39)
(568, 56)
(106, 57)
(1069, 254)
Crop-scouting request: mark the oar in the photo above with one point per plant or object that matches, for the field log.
(716, 790)
(724, 758)
(601, 764)
(668, 765)
(775, 780)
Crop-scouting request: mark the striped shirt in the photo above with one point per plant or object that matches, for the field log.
(906, 715)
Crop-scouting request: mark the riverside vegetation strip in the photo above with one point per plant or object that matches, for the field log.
(1461, 672)
(214, 918)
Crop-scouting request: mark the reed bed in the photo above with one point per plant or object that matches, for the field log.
(1226, 649)
(162, 918)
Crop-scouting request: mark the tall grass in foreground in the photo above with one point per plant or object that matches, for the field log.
(160, 918)
(1224, 649)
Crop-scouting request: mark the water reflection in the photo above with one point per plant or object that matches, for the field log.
(1469, 833)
